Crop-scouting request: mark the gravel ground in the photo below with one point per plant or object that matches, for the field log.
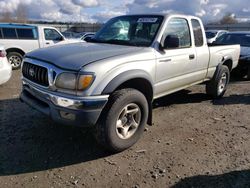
(195, 142)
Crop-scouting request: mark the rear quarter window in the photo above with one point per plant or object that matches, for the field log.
(198, 35)
(25, 34)
(9, 33)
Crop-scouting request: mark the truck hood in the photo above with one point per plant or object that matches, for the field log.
(75, 56)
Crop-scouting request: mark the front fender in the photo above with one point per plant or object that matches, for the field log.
(126, 76)
(130, 75)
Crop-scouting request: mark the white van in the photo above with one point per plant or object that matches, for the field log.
(19, 39)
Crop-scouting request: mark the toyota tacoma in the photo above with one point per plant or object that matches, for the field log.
(110, 82)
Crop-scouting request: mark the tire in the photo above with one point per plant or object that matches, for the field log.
(218, 85)
(123, 120)
(15, 60)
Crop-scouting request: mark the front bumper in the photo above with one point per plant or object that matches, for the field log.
(68, 110)
(5, 71)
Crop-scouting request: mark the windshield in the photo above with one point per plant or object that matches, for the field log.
(129, 30)
(210, 34)
(242, 39)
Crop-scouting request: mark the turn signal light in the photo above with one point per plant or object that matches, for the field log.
(85, 81)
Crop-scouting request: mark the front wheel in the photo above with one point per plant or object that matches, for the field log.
(218, 85)
(123, 120)
(15, 60)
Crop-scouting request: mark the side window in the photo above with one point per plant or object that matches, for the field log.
(178, 29)
(9, 33)
(1, 35)
(25, 34)
(198, 36)
(51, 34)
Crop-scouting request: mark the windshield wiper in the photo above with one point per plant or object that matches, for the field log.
(95, 40)
(113, 41)
(121, 42)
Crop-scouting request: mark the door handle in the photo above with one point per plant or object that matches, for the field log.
(165, 60)
(192, 56)
(47, 43)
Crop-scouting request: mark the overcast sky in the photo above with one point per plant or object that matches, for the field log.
(101, 10)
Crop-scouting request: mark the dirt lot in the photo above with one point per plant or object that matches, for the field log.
(195, 142)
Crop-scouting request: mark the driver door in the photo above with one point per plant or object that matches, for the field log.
(173, 63)
(51, 37)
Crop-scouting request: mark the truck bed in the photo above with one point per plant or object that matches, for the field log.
(219, 53)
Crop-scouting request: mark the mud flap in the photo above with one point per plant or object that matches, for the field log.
(150, 114)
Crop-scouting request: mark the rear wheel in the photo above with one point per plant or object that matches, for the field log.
(123, 121)
(218, 85)
(15, 59)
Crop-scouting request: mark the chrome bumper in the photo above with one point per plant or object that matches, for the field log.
(70, 110)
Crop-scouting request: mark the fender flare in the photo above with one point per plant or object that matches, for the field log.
(15, 49)
(225, 59)
(126, 76)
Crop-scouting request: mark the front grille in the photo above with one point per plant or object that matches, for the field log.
(35, 73)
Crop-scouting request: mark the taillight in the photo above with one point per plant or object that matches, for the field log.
(2, 53)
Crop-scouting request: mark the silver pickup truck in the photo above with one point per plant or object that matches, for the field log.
(110, 82)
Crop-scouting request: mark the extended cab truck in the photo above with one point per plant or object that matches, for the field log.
(19, 39)
(111, 82)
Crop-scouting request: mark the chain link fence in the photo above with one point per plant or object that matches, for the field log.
(229, 27)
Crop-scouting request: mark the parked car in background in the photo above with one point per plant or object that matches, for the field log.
(212, 35)
(87, 35)
(19, 39)
(71, 35)
(242, 38)
(110, 83)
(5, 66)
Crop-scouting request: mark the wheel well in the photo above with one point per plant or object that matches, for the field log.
(229, 64)
(15, 50)
(146, 88)
(140, 84)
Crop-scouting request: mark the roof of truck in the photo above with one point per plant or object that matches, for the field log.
(165, 15)
(159, 14)
(16, 25)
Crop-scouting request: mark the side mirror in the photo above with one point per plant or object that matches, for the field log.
(171, 41)
(61, 38)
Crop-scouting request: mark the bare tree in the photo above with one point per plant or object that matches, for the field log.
(21, 14)
(229, 18)
(6, 17)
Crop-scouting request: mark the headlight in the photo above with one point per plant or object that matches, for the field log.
(66, 81)
(72, 81)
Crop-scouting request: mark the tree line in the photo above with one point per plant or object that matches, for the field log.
(19, 16)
